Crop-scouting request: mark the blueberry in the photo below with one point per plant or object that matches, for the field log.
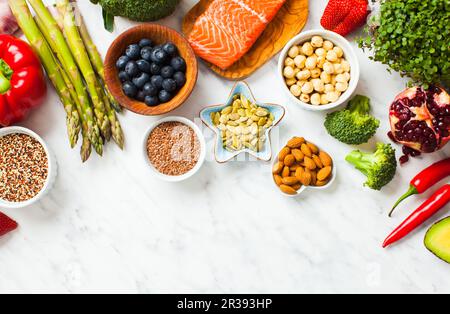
(152, 101)
(146, 53)
(180, 78)
(150, 90)
(122, 62)
(156, 81)
(167, 71)
(140, 96)
(155, 69)
(123, 76)
(169, 85)
(159, 56)
(133, 52)
(178, 64)
(144, 66)
(129, 89)
(171, 49)
(132, 69)
(165, 96)
(141, 80)
(145, 43)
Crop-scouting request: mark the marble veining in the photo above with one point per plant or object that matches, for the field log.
(109, 226)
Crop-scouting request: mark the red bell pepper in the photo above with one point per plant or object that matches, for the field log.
(22, 81)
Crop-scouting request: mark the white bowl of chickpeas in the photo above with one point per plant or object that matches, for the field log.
(319, 70)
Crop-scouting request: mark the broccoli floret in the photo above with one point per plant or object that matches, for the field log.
(379, 167)
(353, 125)
(139, 10)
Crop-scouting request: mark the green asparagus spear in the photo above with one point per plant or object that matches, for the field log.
(82, 58)
(38, 42)
(67, 61)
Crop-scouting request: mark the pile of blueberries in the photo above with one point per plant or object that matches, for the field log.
(151, 73)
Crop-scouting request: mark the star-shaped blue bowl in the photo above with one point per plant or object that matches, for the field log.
(221, 154)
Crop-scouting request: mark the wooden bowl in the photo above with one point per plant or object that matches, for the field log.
(159, 34)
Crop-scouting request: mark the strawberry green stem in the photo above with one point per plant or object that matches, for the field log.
(5, 77)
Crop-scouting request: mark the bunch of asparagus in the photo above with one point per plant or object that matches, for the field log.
(74, 66)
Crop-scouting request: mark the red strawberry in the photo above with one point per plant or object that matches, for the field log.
(6, 224)
(345, 16)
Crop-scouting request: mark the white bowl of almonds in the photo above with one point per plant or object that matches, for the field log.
(319, 70)
(27, 168)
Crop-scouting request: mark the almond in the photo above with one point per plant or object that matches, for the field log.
(297, 186)
(278, 179)
(313, 148)
(283, 153)
(306, 150)
(321, 183)
(306, 178)
(294, 167)
(278, 167)
(289, 160)
(317, 161)
(296, 142)
(325, 159)
(309, 163)
(298, 154)
(288, 189)
(313, 178)
(290, 180)
(324, 173)
(299, 173)
(286, 172)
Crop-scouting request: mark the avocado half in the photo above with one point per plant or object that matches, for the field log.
(437, 239)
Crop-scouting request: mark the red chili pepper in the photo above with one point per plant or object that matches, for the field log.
(22, 81)
(426, 179)
(422, 214)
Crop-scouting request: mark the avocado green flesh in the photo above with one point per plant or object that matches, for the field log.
(437, 239)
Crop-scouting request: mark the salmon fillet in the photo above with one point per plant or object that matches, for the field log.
(228, 29)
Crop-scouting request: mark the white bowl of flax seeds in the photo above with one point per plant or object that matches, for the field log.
(27, 167)
(174, 148)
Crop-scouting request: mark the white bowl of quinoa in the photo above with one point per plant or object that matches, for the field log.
(27, 168)
(174, 148)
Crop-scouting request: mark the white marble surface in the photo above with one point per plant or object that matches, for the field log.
(108, 226)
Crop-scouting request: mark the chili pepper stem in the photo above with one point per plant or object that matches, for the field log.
(5, 77)
(412, 191)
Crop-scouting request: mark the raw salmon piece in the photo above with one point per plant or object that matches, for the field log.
(228, 29)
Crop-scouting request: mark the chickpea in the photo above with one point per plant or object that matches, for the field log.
(294, 51)
(299, 61)
(324, 99)
(317, 41)
(315, 99)
(332, 56)
(303, 75)
(290, 82)
(347, 76)
(321, 61)
(289, 62)
(305, 98)
(328, 67)
(321, 52)
(328, 45)
(341, 86)
(333, 80)
(340, 78)
(339, 52)
(289, 72)
(329, 88)
(296, 70)
(315, 73)
(319, 86)
(301, 83)
(307, 88)
(332, 96)
(345, 65)
(307, 49)
(311, 62)
(296, 90)
(325, 77)
(338, 68)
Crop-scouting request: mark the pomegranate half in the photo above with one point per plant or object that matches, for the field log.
(420, 120)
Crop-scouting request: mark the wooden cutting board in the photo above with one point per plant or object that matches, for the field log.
(289, 22)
